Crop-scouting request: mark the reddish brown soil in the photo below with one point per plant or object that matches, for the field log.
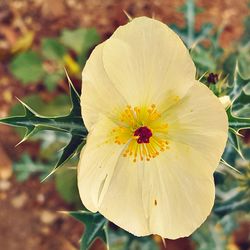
(35, 224)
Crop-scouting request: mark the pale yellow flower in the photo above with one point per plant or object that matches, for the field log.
(156, 135)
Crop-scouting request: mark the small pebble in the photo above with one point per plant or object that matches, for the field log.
(19, 201)
(40, 198)
(4, 185)
(47, 217)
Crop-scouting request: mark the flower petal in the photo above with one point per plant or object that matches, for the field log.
(171, 195)
(122, 203)
(147, 62)
(109, 183)
(98, 90)
(199, 121)
(97, 163)
(178, 192)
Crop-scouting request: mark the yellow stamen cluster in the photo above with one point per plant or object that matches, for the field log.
(143, 131)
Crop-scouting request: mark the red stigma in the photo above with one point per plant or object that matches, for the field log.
(144, 134)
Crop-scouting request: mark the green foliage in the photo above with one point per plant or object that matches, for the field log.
(244, 61)
(240, 55)
(71, 123)
(52, 49)
(211, 235)
(66, 185)
(240, 94)
(188, 33)
(59, 105)
(236, 201)
(121, 240)
(145, 243)
(95, 227)
(246, 36)
(32, 67)
(51, 143)
(229, 65)
(80, 41)
(26, 167)
(51, 80)
(203, 60)
(27, 67)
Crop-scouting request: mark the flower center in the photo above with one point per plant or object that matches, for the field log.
(143, 132)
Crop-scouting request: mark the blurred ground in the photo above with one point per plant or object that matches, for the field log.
(28, 218)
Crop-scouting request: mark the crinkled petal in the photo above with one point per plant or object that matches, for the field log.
(171, 195)
(109, 183)
(147, 62)
(122, 203)
(178, 192)
(199, 121)
(97, 162)
(99, 95)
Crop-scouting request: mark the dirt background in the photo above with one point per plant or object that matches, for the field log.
(28, 212)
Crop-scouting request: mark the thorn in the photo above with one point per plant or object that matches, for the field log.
(128, 16)
(193, 45)
(46, 177)
(67, 75)
(202, 75)
(63, 212)
(236, 132)
(23, 140)
(27, 108)
(21, 101)
(69, 80)
(231, 167)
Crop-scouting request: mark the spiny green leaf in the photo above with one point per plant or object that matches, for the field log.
(70, 150)
(239, 112)
(60, 104)
(234, 141)
(240, 94)
(33, 122)
(241, 105)
(239, 120)
(26, 167)
(244, 61)
(222, 161)
(238, 83)
(75, 98)
(237, 123)
(71, 123)
(95, 227)
(232, 203)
